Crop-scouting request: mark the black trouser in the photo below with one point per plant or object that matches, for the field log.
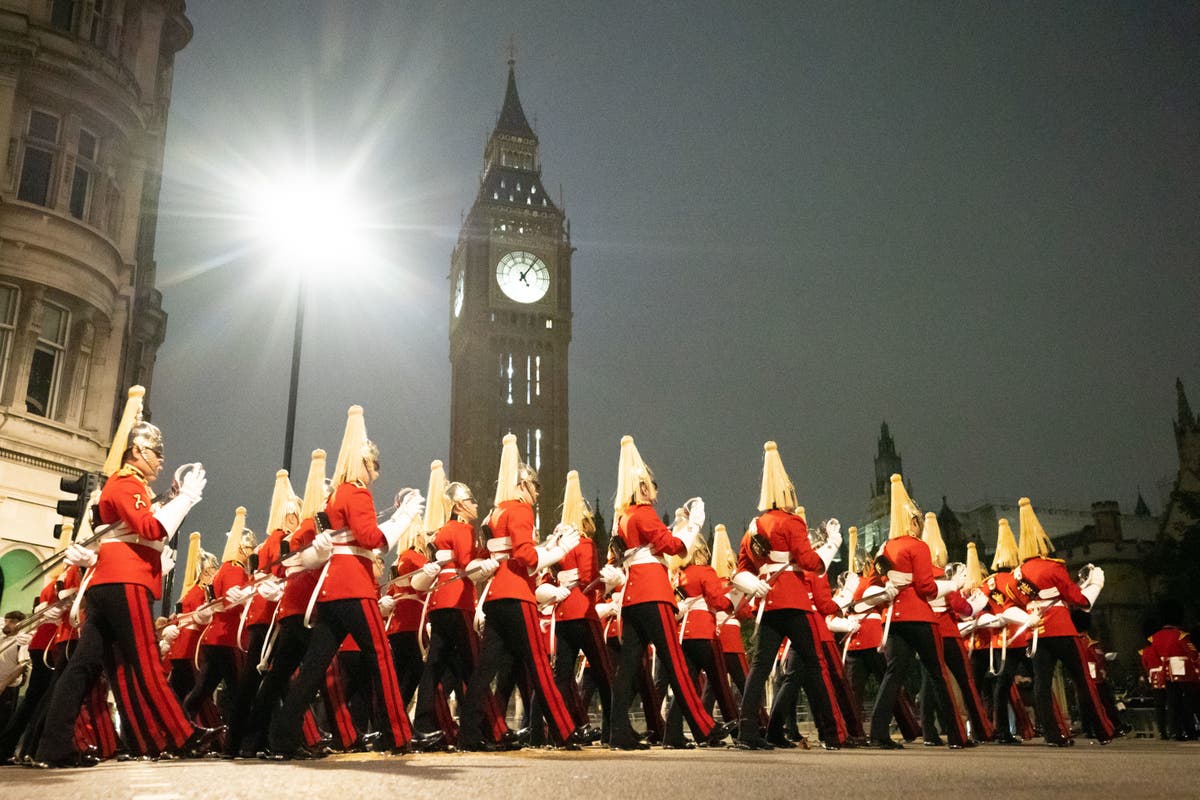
(907, 642)
(701, 655)
(218, 664)
(449, 663)
(406, 658)
(862, 664)
(1179, 708)
(1002, 693)
(952, 654)
(247, 687)
(356, 686)
(735, 679)
(776, 625)
(291, 643)
(643, 624)
(358, 618)
(40, 677)
(1051, 651)
(577, 636)
(984, 682)
(651, 704)
(182, 678)
(118, 628)
(512, 641)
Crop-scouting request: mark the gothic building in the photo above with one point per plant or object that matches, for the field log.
(85, 86)
(510, 318)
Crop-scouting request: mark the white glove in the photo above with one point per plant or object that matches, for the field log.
(761, 589)
(696, 515)
(202, 615)
(193, 483)
(23, 639)
(746, 583)
(481, 569)
(566, 537)
(606, 610)
(612, 576)
(549, 555)
(271, 590)
(318, 553)
(842, 624)
(978, 601)
(236, 595)
(944, 588)
(827, 552)
(170, 633)
(1111, 656)
(1092, 586)
(424, 578)
(546, 594)
(959, 577)
(480, 620)
(53, 614)
(992, 621)
(891, 591)
(833, 529)
(899, 579)
(409, 505)
(80, 556)
(387, 604)
(167, 559)
(1014, 615)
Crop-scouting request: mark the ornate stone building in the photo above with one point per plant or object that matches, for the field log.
(85, 86)
(510, 318)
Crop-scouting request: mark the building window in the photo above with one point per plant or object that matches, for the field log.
(99, 25)
(506, 376)
(537, 375)
(81, 181)
(62, 14)
(10, 296)
(37, 167)
(45, 370)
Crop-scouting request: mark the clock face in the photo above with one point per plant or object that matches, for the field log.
(523, 276)
(458, 295)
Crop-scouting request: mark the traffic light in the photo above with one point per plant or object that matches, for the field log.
(82, 487)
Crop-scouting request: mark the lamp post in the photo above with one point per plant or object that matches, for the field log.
(307, 222)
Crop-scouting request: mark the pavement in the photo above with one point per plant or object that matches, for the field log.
(1127, 768)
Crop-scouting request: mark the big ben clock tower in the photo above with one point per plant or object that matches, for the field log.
(510, 319)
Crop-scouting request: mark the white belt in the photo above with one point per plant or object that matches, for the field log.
(734, 621)
(1042, 605)
(292, 570)
(938, 605)
(443, 556)
(767, 570)
(132, 538)
(700, 605)
(191, 626)
(347, 550)
(779, 556)
(644, 555)
(1048, 594)
(501, 544)
(568, 577)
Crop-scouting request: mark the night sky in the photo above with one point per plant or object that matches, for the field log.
(793, 221)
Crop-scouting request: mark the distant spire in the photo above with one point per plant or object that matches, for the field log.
(512, 117)
(887, 445)
(1186, 420)
(1141, 509)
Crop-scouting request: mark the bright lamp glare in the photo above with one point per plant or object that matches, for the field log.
(308, 222)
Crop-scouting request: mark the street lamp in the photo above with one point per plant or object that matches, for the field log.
(307, 223)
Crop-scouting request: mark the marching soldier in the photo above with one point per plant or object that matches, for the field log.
(1010, 636)
(910, 630)
(346, 597)
(773, 554)
(125, 577)
(1049, 592)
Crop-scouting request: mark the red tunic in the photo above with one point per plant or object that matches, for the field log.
(353, 576)
(406, 616)
(300, 583)
(44, 635)
(268, 552)
(223, 630)
(647, 582)
(184, 646)
(700, 580)
(514, 519)
(1004, 594)
(870, 623)
(67, 586)
(1049, 575)
(1171, 649)
(823, 604)
(459, 539)
(909, 554)
(126, 498)
(578, 605)
(788, 534)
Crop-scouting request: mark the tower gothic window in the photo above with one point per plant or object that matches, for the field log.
(45, 370)
(37, 166)
(99, 25)
(10, 296)
(62, 14)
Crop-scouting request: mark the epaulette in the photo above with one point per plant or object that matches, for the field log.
(359, 484)
(1055, 560)
(128, 470)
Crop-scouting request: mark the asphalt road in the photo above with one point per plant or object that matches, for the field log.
(1125, 769)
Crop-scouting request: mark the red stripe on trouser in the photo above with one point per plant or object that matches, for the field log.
(844, 697)
(1060, 719)
(335, 704)
(131, 729)
(954, 713)
(1097, 704)
(971, 691)
(493, 714)
(102, 724)
(149, 670)
(720, 683)
(1020, 713)
(392, 702)
(673, 660)
(441, 710)
(539, 664)
(312, 734)
(839, 721)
